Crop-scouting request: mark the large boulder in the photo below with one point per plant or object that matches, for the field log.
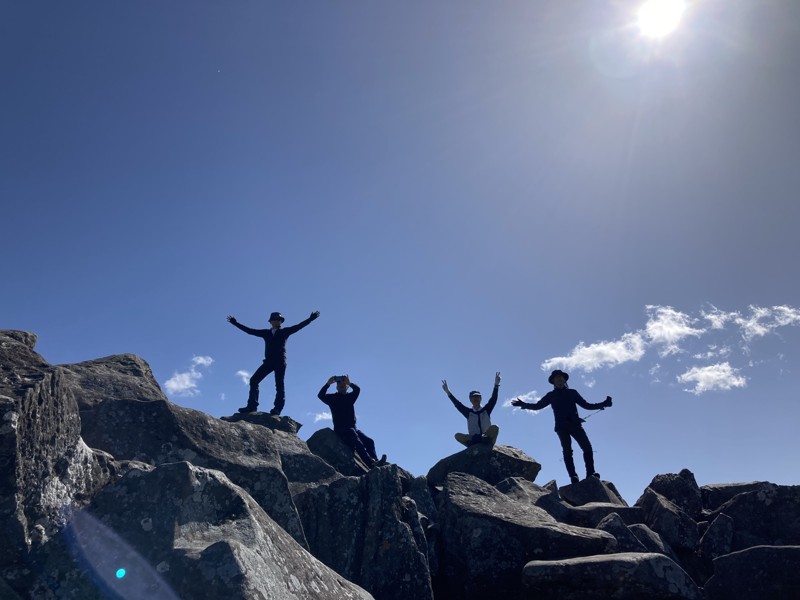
(768, 516)
(626, 540)
(652, 541)
(527, 492)
(369, 533)
(589, 490)
(681, 489)
(717, 494)
(718, 538)
(625, 576)
(326, 444)
(265, 419)
(677, 528)
(45, 467)
(589, 515)
(270, 465)
(181, 531)
(763, 572)
(492, 464)
(487, 537)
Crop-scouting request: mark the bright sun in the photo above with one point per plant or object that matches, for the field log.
(659, 18)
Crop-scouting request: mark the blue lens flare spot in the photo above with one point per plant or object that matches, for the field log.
(120, 573)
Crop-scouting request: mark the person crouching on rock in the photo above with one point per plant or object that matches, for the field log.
(342, 405)
(479, 422)
(564, 402)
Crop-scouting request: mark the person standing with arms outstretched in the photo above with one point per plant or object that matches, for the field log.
(274, 358)
(564, 403)
(479, 422)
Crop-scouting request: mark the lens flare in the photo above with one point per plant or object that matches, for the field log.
(659, 18)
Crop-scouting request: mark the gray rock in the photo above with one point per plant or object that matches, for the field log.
(326, 444)
(527, 492)
(181, 531)
(420, 493)
(589, 490)
(487, 537)
(717, 494)
(769, 516)
(491, 464)
(45, 467)
(677, 528)
(278, 423)
(718, 538)
(589, 515)
(368, 532)
(626, 540)
(652, 541)
(681, 489)
(762, 572)
(626, 576)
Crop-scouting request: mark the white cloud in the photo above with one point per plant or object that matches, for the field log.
(717, 318)
(762, 320)
(630, 347)
(714, 377)
(244, 376)
(185, 384)
(667, 326)
(323, 416)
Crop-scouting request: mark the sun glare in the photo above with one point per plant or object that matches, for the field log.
(659, 18)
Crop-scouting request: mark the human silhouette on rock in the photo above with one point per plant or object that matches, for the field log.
(479, 422)
(342, 405)
(564, 402)
(274, 358)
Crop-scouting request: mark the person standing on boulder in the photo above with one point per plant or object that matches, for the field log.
(342, 405)
(564, 402)
(479, 422)
(274, 358)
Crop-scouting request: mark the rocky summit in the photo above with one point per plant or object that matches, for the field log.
(109, 490)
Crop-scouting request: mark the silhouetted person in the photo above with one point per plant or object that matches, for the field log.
(342, 405)
(479, 422)
(274, 358)
(564, 403)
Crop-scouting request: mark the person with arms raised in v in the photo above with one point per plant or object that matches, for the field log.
(479, 422)
(564, 402)
(274, 358)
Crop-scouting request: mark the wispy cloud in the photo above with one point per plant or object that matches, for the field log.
(630, 347)
(185, 383)
(323, 416)
(244, 376)
(530, 397)
(669, 332)
(713, 377)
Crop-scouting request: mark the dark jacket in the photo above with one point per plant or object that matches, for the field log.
(275, 345)
(564, 402)
(342, 406)
(478, 421)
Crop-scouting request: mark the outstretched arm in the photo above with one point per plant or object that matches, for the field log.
(459, 407)
(295, 328)
(592, 405)
(543, 403)
(493, 399)
(251, 331)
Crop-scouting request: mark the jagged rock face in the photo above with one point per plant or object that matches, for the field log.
(46, 467)
(490, 536)
(181, 531)
(589, 490)
(491, 464)
(626, 540)
(364, 529)
(769, 516)
(681, 489)
(763, 572)
(330, 448)
(677, 528)
(716, 495)
(625, 576)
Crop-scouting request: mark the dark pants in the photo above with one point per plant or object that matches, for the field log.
(358, 441)
(565, 436)
(265, 369)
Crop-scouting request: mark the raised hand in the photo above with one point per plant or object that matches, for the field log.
(518, 403)
(497, 378)
(444, 386)
(314, 315)
(331, 379)
(231, 319)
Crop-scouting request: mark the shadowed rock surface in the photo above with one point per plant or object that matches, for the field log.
(99, 468)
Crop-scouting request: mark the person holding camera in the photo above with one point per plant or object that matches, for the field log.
(342, 405)
(274, 358)
(564, 402)
(479, 422)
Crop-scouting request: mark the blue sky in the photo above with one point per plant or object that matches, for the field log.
(459, 188)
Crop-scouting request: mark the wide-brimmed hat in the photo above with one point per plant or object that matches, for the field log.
(276, 316)
(557, 372)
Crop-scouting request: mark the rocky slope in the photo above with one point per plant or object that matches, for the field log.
(111, 491)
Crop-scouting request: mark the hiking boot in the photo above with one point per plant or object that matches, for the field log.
(573, 479)
(275, 412)
(595, 475)
(249, 408)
